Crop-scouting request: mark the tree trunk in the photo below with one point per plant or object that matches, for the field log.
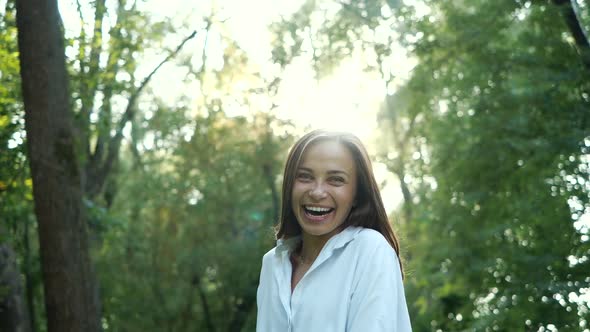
(57, 190)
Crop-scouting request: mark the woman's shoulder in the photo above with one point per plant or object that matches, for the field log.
(371, 241)
(370, 237)
(269, 262)
(269, 254)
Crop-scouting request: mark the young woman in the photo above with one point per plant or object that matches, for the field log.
(336, 265)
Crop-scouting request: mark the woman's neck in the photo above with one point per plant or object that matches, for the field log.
(311, 246)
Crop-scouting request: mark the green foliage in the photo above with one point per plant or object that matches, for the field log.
(198, 223)
(489, 136)
(200, 200)
(180, 224)
(507, 114)
(180, 246)
(12, 159)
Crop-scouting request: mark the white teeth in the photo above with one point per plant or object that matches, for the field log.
(317, 209)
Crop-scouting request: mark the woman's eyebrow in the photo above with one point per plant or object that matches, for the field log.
(331, 172)
(337, 172)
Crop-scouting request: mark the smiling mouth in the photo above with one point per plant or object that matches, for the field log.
(316, 211)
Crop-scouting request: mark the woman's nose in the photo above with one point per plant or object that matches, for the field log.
(317, 192)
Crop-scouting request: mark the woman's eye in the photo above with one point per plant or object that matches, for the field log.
(304, 176)
(337, 179)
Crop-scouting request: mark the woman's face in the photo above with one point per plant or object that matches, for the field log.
(324, 188)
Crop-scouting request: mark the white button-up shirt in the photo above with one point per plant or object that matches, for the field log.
(354, 285)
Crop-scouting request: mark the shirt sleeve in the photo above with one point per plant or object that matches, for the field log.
(378, 302)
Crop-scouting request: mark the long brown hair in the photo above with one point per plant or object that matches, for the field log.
(368, 211)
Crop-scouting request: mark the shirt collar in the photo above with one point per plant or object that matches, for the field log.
(341, 239)
(337, 241)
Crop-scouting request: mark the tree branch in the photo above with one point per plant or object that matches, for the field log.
(89, 68)
(204, 53)
(115, 142)
(104, 120)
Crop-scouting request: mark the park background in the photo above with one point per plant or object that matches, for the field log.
(476, 114)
